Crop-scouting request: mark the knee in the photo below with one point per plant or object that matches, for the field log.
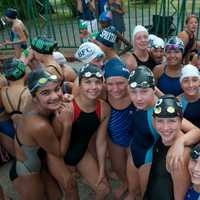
(103, 189)
(70, 184)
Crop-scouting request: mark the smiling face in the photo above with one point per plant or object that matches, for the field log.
(142, 98)
(49, 96)
(194, 170)
(141, 40)
(168, 129)
(174, 57)
(191, 85)
(117, 87)
(91, 87)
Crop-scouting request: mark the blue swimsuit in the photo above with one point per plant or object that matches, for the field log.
(144, 138)
(169, 85)
(120, 126)
(192, 194)
(6, 127)
(191, 110)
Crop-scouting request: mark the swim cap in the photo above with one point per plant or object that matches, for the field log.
(156, 42)
(83, 25)
(11, 13)
(90, 70)
(38, 79)
(43, 45)
(107, 36)
(59, 58)
(88, 51)
(174, 43)
(92, 37)
(106, 16)
(168, 106)
(141, 77)
(137, 29)
(195, 153)
(115, 67)
(188, 71)
(14, 69)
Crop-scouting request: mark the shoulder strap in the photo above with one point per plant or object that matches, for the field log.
(8, 98)
(150, 123)
(77, 110)
(184, 102)
(54, 67)
(98, 109)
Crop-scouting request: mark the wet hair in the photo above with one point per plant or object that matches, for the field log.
(190, 17)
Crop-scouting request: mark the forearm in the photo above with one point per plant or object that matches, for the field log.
(65, 140)
(191, 137)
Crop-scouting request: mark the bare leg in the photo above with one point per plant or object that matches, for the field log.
(133, 180)
(30, 187)
(118, 164)
(144, 171)
(51, 187)
(89, 170)
(64, 177)
(92, 146)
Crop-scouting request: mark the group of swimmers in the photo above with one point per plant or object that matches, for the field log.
(139, 111)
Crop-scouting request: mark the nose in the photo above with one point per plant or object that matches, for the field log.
(54, 95)
(190, 83)
(138, 96)
(93, 85)
(165, 126)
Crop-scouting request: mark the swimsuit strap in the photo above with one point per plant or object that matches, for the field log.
(54, 67)
(184, 102)
(77, 110)
(98, 109)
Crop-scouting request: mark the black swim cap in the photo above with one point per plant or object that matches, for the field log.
(38, 79)
(11, 13)
(90, 70)
(141, 77)
(14, 69)
(195, 153)
(43, 45)
(168, 106)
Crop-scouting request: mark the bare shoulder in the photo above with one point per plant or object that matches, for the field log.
(184, 36)
(105, 109)
(158, 71)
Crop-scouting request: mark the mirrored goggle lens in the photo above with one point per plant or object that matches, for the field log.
(89, 74)
(195, 154)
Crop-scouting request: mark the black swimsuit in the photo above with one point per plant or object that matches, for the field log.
(83, 127)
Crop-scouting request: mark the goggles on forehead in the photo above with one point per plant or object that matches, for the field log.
(90, 74)
(195, 154)
(156, 46)
(173, 47)
(43, 81)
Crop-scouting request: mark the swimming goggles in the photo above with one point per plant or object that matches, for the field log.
(195, 154)
(90, 74)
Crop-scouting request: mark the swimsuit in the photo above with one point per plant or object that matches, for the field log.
(144, 137)
(15, 37)
(192, 194)
(169, 85)
(83, 128)
(191, 110)
(160, 184)
(33, 163)
(150, 63)
(120, 126)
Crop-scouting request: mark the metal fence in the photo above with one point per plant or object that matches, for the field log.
(55, 19)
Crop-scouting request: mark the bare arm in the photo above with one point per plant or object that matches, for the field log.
(101, 141)
(45, 137)
(184, 37)
(181, 178)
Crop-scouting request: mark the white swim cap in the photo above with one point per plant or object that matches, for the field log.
(59, 58)
(137, 29)
(88, 51)
(188, 71)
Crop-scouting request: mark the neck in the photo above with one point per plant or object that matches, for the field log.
(17, 82)
(141, 52)
(196, 188)
(85, 102)
(192, 98)
(119, 103)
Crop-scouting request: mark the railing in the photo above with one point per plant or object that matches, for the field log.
(54, 18)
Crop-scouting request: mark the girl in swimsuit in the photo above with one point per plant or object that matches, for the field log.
(188, 36)
(35, 136)
(18, 35)
(193, 192)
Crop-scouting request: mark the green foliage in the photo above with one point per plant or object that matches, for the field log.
(71, 4)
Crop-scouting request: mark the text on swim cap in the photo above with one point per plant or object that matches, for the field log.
(111, 37)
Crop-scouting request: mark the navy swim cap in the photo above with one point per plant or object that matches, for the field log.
(11, 13)
(106, 16)
(107, 36)
(115, 67)
(168, 106)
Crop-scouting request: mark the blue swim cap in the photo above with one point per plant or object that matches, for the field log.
(115, 67)
(11, 13)
(106, 16)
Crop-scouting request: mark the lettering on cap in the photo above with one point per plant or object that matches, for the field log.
(86, 51)
(111, 37)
